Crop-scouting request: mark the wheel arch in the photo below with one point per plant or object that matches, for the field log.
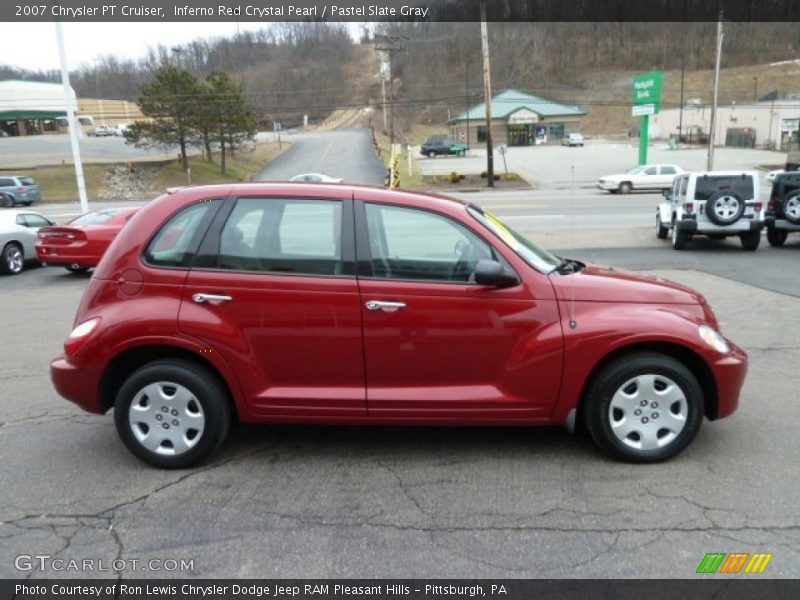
(121, 366)
(683, 354)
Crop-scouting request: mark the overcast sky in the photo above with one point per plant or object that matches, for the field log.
(33, 45)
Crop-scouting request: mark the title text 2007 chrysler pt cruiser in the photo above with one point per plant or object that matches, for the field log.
(314, 303)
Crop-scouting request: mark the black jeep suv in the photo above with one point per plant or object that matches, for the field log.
(783, 208)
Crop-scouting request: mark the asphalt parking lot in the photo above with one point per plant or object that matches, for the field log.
(423, 502)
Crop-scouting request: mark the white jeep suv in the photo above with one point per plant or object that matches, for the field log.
(717, 204)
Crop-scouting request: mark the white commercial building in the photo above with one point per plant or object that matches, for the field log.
(771, 124)
(32, 107)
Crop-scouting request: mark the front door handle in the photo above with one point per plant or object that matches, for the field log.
(384, 305)
(203, 298)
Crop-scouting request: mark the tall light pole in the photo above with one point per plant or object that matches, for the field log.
(713, 126)
(69, 101)
(487, 92)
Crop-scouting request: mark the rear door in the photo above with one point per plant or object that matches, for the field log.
(274, 290)
(439, 346)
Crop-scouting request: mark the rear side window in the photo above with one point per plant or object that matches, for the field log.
(668, 170)
(274, 235)
(176, 242)
(27, 181)
(707, 186)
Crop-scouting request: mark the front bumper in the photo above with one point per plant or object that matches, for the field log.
(80, 385)
(607, 185)
(729, 373)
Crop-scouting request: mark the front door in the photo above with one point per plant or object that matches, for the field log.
(439, 346)
(275, 291)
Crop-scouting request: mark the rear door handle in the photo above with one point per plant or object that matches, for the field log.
(384, 305)
(203, 298)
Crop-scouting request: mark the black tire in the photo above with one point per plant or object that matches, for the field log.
(776, 237)
(725, 207)
(6, 201)
(625, 187)
(680, 239)
(599, 414)
(431, 154)
(790, 207)
(750, 240)
(76, 269)
(206, 390)
(12, 259)
(661, 231)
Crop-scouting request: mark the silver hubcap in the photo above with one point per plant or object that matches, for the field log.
(792, 208)
(14, 259)
(726, 207)
(648, 412)
(166, 418)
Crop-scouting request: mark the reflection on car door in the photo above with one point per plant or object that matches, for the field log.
(274, 288)
(436, 344)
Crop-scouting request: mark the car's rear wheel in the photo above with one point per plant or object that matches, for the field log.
(76, 268)
(6, 201)
(661, 231)
(431, 154)
(776, 237)
(13, 259)
(172, 414)
(643, 407)
(680, 239)
(625, 188)
(725, 207)
(750, 240)
(790, 207)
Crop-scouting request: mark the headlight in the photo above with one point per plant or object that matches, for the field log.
(714, 338)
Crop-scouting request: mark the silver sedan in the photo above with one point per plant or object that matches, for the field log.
(18, 230)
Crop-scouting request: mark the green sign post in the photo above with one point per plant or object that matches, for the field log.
(646, 102)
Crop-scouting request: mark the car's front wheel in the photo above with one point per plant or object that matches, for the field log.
(431, 154)
(13, 260)
(172, 414)
(625, 187)
(643, 407)
(680, 239)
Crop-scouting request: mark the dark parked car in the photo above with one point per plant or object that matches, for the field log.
(316, 303)
(783, 208)
(442, 145)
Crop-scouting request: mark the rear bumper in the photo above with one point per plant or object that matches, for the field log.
(80, 385)
(729, 373)
(775, 223)
(741, 226)
(64, 255)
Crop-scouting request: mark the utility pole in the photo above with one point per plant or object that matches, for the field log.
(680, 113)
(69, 101)
(383, 69)
(712, 126)
(487, 92)
(386, 65)
(466, 95)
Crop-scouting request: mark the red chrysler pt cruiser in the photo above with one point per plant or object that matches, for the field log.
(316, 303)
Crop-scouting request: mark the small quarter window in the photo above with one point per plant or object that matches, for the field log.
(175, 243)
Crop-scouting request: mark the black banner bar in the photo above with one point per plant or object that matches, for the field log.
(733, 588)
(396, 10)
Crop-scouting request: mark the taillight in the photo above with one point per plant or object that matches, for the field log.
(22, 190)
(688, 206)
(80, 335)
(76, 235)
(757, 206)
(772, 205)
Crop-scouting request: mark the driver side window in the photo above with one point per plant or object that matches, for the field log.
(407, 243)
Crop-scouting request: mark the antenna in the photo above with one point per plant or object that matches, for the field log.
(573, 324)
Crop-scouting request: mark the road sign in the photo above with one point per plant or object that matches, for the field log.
(639, 110)
(647, 89)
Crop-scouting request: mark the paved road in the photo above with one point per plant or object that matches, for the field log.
(356, 501)
(345, 153)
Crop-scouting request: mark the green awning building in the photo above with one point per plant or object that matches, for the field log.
(518, 119)
(32, 107)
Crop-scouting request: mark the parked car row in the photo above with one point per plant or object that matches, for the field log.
(108, 130)
(719, 204)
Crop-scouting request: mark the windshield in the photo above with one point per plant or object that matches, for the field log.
(96, 218)
(539, 258)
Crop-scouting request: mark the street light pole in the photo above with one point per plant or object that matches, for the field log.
(487, 91)
(712, 127)
(69, 101)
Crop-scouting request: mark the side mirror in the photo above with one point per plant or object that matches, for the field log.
(492, 273)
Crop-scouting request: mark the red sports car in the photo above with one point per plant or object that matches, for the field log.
(80, 244)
